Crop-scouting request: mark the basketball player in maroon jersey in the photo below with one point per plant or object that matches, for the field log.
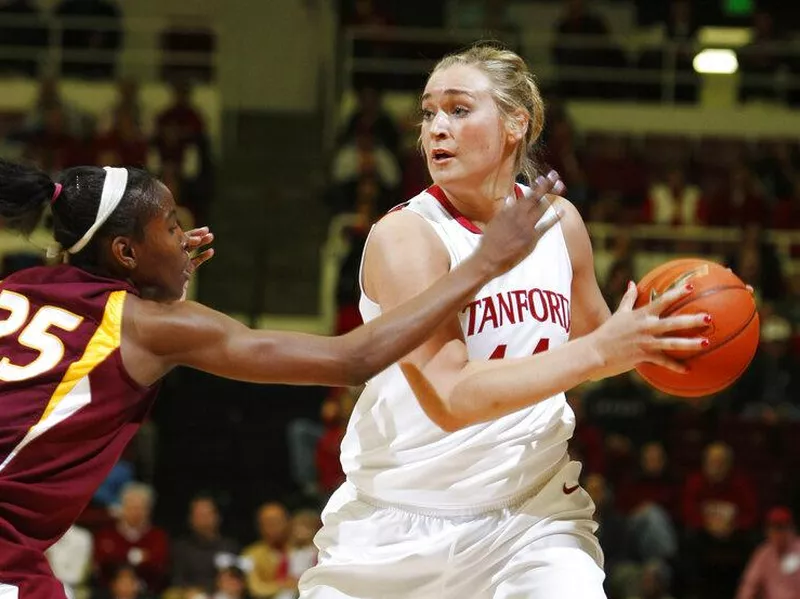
(84, 344)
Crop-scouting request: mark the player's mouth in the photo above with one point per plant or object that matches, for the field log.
(440, 156)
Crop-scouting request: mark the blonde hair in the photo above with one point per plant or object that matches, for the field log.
(513, 89)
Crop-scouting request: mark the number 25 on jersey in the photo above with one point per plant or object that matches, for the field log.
(35, 334)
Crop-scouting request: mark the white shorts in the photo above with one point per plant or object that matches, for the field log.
(542, 547)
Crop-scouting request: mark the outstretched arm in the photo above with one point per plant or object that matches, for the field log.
(160, 337)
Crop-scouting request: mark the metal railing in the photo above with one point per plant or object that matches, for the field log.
(667, 68)
(46, 41)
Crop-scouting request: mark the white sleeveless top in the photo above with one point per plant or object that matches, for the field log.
(394, 454)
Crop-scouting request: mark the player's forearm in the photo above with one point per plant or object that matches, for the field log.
(381, 342)
(489, 390)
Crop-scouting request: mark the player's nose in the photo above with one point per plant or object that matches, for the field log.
(439, 125)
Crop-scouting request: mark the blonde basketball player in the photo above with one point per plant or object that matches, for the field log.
(477, 498)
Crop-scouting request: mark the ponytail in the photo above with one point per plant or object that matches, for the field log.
(25, 192)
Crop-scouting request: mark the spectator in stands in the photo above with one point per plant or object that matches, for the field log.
(181, 115)
(651, 484)
(740, 202)
(486, 15)
(109, 495)
(71, 559)
(134, 541)
(26, 29)
(594, 49)
(335, 416)
(774, 569)
(231, 584)
(302, 437)
(760, 59)
(674, 201)
(125, 584)
(370, 115)
(180, 153)
(123, 144)
(624, 410)
(373, 14)
(302, 553)
(194, 557)
(789, 307)
(769, 390)
(786, 215)
(128, 102)
(561, 154)
(270, 572)
(757, 263)
(681, 22)
(615, 179)
(612, 530)
(681, 27)
(348, 291)
(649, 500)
(101, 42)
(718, 495)
(75, 122)
(715, 555)
(654, 581)
(587, 444)
(314, 445)
(776, 167)
(53, 148)
(365, 156)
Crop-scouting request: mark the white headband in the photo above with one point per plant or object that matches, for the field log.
(113, 189)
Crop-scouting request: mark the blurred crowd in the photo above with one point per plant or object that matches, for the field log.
(56, 135)
(118, 553)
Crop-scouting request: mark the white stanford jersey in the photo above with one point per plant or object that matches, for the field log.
(393, 453)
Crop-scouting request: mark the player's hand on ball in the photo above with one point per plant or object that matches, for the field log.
(514, 231)
(631, 337)
(198, 238)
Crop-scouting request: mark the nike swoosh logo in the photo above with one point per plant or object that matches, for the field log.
(681, 280)
(570, 490)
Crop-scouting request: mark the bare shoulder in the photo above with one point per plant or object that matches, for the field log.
(403, 229)
(571, 220)
(404, 248)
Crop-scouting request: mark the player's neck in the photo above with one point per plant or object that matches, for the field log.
(481, 204)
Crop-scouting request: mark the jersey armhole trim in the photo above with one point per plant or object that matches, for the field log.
(398, 208)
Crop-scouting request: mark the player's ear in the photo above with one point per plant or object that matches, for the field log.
(517, 125)
(123, 252)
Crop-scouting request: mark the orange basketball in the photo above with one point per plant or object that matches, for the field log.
(733, 332)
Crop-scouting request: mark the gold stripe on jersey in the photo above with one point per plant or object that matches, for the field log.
(105, 340)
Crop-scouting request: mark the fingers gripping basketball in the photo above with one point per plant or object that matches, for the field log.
(732, 332)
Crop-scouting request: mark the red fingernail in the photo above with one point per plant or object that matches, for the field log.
(690, 287)
(705, 343)
(707, 319)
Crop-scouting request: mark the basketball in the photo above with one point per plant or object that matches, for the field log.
(732, 334)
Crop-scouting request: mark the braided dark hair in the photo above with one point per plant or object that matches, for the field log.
(26, 191)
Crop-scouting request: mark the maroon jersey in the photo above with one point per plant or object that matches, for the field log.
(67, 405)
